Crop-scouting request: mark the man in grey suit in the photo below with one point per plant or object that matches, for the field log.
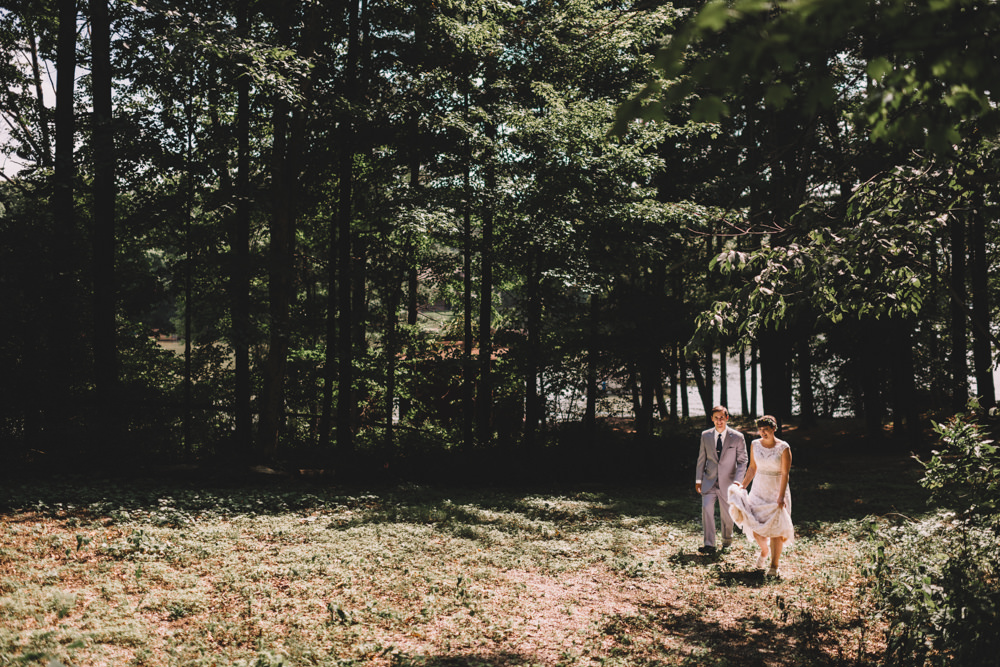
(722, 459)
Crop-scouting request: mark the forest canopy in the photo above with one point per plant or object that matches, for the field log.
(249, 230)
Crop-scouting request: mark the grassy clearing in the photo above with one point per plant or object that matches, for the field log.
(170, 575)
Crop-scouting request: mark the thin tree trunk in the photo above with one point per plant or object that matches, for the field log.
(51, 393)
(904, 406)
(685, 407)
(775, 377)
(753, 380)
(105, 288)
(704, 390)
(45, 149)
(744, 403)
(723, 377)
(280, 283)
(590, 411)
(412, 278)
(674, 383)
(345, 395)
(239, 289)
(391, 354)
(484, 403)
(807, 405)
(959, 335)
(533, 406)
(981, 344)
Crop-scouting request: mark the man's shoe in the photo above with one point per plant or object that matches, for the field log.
(707, 550)
(726, 544)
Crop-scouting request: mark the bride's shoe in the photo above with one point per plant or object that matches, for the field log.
(773, 572)
(763, 559)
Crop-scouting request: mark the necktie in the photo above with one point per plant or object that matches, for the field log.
(718, 447)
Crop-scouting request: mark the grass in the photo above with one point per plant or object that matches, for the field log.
(299, 574)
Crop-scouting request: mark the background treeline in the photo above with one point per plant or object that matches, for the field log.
(391, 229)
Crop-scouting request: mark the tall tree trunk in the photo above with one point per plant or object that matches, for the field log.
(776, 384)
(105, 284)
(685, 407)
(905, 412)
(532, 397)
(345, 395)
(870, 369)
(981, 343)
(590, 411)
(744, 402)
(807, 404)
(239, 288)
(723, 377)
(959, 335)
(412, 277)
(45, 147)
(484, 403)
(47, 421)
(391, 358)
(704, 388)
(280, 270)
(753, 380)
(675, 387)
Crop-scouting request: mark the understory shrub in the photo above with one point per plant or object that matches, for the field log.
(936, 579)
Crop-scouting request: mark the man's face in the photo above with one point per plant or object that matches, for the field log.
(720, 419)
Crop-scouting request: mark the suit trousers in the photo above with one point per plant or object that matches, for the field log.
(708, 502)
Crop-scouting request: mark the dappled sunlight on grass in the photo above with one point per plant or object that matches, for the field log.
(292, 574)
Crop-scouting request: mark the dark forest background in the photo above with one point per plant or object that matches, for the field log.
(322, 233)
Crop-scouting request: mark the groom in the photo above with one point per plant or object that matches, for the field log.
(722, 459)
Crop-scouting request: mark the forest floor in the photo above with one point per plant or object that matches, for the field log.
(185, 573)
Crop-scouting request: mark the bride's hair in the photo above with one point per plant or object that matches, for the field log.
(767, 420)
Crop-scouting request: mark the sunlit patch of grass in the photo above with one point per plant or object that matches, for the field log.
(164, 577)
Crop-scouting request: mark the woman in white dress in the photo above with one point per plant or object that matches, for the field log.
(765, 513)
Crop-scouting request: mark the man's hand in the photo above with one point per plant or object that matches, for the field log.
(697, 487)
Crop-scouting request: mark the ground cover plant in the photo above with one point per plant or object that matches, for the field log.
(296, 573)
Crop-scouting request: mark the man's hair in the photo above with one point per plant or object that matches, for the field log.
(720, 408)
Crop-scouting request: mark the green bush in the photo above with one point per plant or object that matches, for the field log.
(936, 579)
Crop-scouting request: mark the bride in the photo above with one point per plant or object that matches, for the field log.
(765, 513)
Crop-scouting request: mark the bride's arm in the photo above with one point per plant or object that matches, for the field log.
(786, 466)
(751, 470)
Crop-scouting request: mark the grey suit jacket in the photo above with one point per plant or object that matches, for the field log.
(721, 471)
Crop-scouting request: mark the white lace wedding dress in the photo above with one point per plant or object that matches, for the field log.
(757, 511)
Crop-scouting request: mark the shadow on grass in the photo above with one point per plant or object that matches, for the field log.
(791, 637)
(501, 659)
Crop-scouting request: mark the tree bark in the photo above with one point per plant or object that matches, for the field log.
(959, 333)
(106, 373)
(744, 402)
(345, 356)
(590, 411)
(807, 404)
(981, 343)
(47, 421)
(533, 403)
(239, 288)
(45, 146)
(723, 379)
(484, 403)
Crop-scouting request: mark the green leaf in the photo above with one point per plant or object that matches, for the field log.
(713, 17)
(879, 68)
(710, 109)
(777, 95)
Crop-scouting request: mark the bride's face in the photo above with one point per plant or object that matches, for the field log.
(766, 432)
